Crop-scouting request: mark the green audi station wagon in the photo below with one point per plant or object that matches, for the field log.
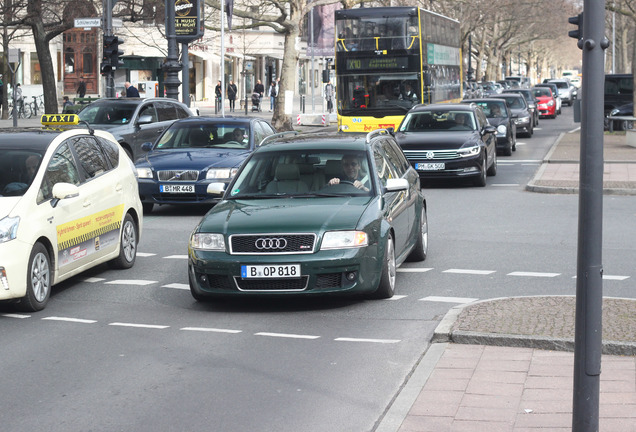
(312, 214)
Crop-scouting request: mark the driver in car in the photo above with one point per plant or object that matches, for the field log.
(237, 135)
(351, 173)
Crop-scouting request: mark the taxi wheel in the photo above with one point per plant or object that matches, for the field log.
(127, 245)
(386, 287)
(421, 246)
(38, 280)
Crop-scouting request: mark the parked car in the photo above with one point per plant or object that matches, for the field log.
(567, 92)
(194, 152)
(491, 88)
(547, 103)
(445, 141)
(134, 121)
(619, 90)
(519, 107)
(531, 101)
(68, 202)
(499, 115)
(555, 94)
(312, 214)
(626, 110)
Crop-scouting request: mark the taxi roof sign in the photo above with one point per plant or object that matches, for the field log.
(59, 119)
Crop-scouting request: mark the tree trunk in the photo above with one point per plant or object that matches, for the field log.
(280, 120)
(46, 65)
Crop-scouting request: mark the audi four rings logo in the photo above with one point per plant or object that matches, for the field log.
(430, 155)
(270, 243)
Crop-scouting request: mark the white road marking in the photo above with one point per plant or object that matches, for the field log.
(177, 286)
(413, 270)
(145, 254)
(94, 280)
(149, 326)
(534, 274)
(286, 335)
(518, 161)
(610, 277)
(468, 271)
(383, 341)
(449, 299)
(19, 316)
(207, 329)
(131, 282)
(176, 257)
(74, 320)
(396, 297)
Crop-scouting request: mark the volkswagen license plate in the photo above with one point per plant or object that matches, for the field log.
(176, 188)
(270, 271)
(430, 166)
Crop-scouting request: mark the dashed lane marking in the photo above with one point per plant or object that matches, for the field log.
(383, 341)
(148, 326)
(73, 320)
(176, 257)
(138, 282)
(396, 297)
(18, 316)
(145, 254)
(177, 286)
(286, 335)
(94, 280)
(413, 270)
(610, 277)
(214, 330)
(534, 274)
(460, 300)
(469, 271)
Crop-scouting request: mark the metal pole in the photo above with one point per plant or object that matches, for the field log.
(222, 57)
(185, 74)
(172, 65)
(589, 281)
(15, 103)
(470, 49)
(313, 48)
(108, 31)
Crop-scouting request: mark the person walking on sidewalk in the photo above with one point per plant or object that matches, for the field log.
(231, 94)
(260, 89)
(131, 90)
(329, 96)
(217, 97)
(81, 88)
(272, 96)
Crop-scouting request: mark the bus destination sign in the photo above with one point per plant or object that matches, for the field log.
(378, 63)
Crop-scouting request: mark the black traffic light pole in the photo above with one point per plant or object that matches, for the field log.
(171, 67)
(588, 338)
(107, 71)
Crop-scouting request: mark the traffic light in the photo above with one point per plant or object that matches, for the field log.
(115, 61)
(577, 21)
(110, 59)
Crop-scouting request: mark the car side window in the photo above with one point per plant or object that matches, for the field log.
(93, 163)
(150, 110)
(259, 133)
(61, 169)
(181, 112)
(481, 119)
(166, 111)
(384, 169)
(111, 150)
(394, 158)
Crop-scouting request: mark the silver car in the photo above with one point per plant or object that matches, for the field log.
(134, 121)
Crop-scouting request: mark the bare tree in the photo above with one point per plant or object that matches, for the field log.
(13, 13)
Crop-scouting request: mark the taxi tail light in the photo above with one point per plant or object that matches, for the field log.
(4, 281)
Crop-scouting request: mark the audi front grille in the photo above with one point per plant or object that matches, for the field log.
(272, 244)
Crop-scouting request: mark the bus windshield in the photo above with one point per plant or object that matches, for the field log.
(389, 93)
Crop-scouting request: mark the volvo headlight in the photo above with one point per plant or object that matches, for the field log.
(208, 241)
(469, 151)
(221, 173)
(144, 173)
(9, 228)
(344, 239)
(501, 129)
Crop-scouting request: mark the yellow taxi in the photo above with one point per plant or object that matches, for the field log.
(68, 201)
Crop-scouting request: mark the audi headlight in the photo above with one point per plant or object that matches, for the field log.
(344, 239)
(469, 151)
(144, 173)
(614, 112)
(208, 241)
(221, 173)
(9, 228)
(501, 129)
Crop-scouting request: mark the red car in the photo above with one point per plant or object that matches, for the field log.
(546, 103)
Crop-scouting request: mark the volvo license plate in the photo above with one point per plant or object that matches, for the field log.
(287, 271)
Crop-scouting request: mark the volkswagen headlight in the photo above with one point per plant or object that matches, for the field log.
(9, 228)
(144, 173)
(469, 151)
(221, 173)
(208, 241)
(344, 239)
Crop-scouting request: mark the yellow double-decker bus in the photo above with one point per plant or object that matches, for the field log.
(391, 58)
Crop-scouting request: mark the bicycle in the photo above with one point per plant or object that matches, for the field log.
(24, 109)
(37, 104)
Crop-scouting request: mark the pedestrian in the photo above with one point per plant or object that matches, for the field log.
(272, 96)
(66, 104)
(260, 89)
(131, 90)
(218, 94)
(17, 96)
(81, 88)
(231, 94)
(329, 96)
